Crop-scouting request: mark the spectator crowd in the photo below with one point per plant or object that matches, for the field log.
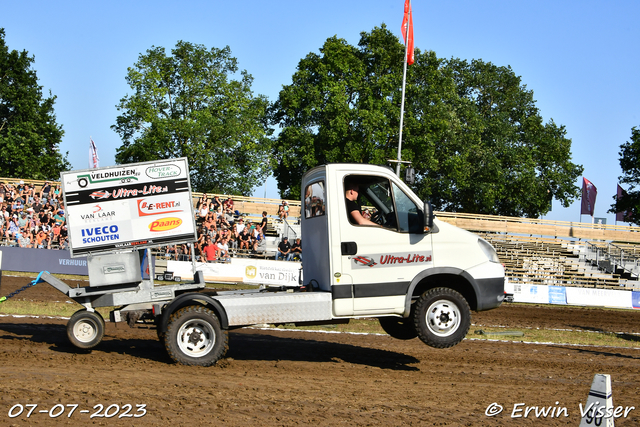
(223, 232)
(34, 218)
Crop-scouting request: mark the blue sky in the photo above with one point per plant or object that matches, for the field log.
(580, 58)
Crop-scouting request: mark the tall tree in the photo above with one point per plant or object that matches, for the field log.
(29, 134)
(472, 131)
(515, 163)
(187, 105)
(630, 165)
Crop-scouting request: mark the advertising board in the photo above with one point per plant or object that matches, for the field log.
(126, 207)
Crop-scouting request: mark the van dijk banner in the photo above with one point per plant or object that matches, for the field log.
(129, 206)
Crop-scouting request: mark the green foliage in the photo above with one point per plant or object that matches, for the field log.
(471, 130)
(187, 105)
(29, 134)
(509, 162)
(630, 165)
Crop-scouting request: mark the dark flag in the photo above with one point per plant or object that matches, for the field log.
(621, 215)
(589, 192)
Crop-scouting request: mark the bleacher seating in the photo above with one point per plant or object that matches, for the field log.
(533, 250)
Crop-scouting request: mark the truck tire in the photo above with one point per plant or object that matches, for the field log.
(396, 327)
(442, 317)
(194, 336)
(85, 329)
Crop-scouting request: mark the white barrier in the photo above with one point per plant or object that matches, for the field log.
(564, 295)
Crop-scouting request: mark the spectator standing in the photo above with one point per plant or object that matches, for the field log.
(210, 250)
(264, 221)
(45, 190)
(284, 250)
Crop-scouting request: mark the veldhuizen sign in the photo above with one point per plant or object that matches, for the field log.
(126, 207)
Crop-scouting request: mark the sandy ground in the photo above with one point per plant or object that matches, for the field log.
(283, 378)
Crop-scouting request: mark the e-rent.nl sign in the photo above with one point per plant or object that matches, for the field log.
(131, 206)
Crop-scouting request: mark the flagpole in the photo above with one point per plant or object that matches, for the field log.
(404, 82)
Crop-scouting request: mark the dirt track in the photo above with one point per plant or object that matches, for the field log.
(280, 378)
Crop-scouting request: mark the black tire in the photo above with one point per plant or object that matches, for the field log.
(194, 337)
(397, 327)
(85, 329)
(82, 182)
(442, 317)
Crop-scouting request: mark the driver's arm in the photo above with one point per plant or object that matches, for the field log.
(360, 220)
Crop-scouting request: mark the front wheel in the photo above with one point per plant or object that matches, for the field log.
(442, 317)
(194, 336)
(85, 329)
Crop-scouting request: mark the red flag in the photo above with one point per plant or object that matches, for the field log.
(94, 160)
(589, 192)
(407, 30)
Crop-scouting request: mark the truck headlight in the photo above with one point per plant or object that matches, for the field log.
(488, 250)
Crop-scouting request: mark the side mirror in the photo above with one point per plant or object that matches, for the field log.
(428, 217)
(410, 175)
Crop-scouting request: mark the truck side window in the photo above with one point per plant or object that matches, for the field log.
(383, 203)
(371, 197)
(314, 200)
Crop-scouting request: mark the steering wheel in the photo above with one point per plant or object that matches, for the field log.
(378, 218)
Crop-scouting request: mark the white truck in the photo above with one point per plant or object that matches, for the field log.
(419, 276)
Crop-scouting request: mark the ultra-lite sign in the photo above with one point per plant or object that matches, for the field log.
(129, 206)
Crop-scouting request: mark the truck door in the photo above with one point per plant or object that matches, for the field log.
(380, 258)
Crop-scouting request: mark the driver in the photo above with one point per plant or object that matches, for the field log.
(353, 207)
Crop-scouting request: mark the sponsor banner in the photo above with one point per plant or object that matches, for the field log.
(635, 299)
(51, 260)
(523, 292)
(37, 260)
(127, 191)
(242, 270)
(138, 205)
(391, 260)
(599, 297)
(557, 295)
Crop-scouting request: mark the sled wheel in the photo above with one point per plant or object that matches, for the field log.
(442, 317)
(85, 329)
(194, 336)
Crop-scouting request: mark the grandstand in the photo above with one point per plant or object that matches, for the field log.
(534, 251)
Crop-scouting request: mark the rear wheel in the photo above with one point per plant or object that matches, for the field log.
(442, 317)
(85, 329)
(194, 336)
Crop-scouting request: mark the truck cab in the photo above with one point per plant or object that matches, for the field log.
(405, 260)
